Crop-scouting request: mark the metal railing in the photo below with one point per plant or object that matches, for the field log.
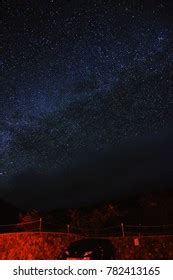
(123, 230)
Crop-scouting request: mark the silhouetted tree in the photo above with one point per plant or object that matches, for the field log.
(29, 221)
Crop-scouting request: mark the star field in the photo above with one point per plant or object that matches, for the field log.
(78, 78)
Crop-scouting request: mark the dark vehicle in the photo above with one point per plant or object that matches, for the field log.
(90, 249)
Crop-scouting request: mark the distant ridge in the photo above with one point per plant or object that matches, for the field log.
(9, 214)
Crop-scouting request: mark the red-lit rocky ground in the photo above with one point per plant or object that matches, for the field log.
(23, 246)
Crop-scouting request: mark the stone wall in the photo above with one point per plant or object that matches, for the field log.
(28, 246)
(37, 246)
(147, 247)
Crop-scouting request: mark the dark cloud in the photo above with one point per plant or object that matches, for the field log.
(137, 167)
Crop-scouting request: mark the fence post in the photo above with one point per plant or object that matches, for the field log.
(139, 233)
(40, 226)
(68, 228)
(122, 229)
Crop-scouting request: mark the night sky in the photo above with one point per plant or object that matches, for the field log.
(80, 80)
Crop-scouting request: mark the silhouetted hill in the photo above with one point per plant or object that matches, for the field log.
(9, 213)
(136, 167)
(154, 208)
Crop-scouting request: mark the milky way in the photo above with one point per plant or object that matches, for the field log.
(77, 78)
